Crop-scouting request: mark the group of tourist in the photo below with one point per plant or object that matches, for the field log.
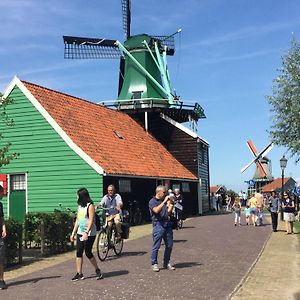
(161, 207)
(258, 203)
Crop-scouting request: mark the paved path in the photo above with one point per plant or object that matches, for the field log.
(210, 254)
(276, 274)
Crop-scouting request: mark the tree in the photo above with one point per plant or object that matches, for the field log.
(5, 156)
(285, 102)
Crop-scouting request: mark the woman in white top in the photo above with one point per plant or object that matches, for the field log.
(85, 229)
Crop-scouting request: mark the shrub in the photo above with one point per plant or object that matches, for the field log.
(13, 239)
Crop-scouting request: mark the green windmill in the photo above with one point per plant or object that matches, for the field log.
(144, 82)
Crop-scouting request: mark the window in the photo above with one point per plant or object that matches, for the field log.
(137, 95)
(175, 186)
(202, 154)
(186, 187)
(124, 186)
(17, 182)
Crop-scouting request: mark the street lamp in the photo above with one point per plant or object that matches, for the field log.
(283, 163)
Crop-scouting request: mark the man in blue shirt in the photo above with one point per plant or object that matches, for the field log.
(274, 206)
(113, 202)
(160, 209)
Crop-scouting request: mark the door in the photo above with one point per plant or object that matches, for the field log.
(17, 197)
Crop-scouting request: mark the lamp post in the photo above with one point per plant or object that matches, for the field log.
(283, 163)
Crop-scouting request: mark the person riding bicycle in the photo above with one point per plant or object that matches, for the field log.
(113, 202)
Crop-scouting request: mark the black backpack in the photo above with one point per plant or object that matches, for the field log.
(96, 218)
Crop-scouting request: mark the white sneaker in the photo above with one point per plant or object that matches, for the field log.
(155, 268)
(169, 267)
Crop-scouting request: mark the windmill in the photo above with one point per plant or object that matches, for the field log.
(144, 81)
(262, 173)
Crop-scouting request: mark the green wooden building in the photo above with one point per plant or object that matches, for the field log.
(65, 143)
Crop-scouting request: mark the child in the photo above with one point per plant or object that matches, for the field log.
(237, 211)
(247, 214)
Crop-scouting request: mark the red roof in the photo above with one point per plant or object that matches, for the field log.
(215, 188)
(274, 185)
(111, 138)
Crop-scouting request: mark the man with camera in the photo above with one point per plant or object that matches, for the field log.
(161, 207)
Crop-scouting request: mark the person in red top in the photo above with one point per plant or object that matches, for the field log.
(2, 246)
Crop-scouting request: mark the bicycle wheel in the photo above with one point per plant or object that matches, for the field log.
(102, 245)
(118, 245)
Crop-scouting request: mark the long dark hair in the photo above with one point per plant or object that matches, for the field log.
(83, 197)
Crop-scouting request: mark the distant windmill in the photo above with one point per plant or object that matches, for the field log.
(262, 162)
(144, 81)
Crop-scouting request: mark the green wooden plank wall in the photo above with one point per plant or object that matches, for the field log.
(55, 171)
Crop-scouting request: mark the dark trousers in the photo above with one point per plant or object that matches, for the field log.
(274, 216)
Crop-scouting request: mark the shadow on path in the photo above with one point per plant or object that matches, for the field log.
(187, 265)
(179, 241)
(115, 273)
(33, 280)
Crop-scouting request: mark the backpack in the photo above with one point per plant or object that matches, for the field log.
(96, 219)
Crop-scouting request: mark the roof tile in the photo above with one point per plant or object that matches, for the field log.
(93, 128)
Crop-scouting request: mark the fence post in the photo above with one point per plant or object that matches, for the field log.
(42, 237)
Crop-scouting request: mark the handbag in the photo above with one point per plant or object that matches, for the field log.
(174, 222)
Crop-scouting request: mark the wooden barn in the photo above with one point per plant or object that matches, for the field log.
(65, 143)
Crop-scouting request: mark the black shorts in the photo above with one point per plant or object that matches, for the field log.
(2, 252)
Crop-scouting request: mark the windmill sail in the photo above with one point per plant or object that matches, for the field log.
(259, 159)
(83, 48)
(126, 11)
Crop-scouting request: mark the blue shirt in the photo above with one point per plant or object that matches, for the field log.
(274, 204)
(162, 215)
(111, 203)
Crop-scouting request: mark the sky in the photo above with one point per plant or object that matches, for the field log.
(226, 59)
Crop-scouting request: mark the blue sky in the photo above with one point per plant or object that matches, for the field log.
(226, 58)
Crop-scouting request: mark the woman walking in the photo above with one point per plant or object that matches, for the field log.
(288, 206)
(237, 211)
(85, 229)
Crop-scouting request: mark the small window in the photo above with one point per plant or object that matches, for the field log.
(17, 182)
(137, 95)
(124, 186)
(185, 187)
(175, 186)
(118, 134)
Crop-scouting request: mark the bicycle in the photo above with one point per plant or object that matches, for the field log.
(107, 240)
(135, 213)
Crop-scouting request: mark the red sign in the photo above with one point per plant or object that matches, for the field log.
(3, 182)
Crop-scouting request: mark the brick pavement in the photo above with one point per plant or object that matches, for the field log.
(276, 273)
(210, 254)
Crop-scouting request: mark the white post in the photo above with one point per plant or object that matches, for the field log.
(200, 207)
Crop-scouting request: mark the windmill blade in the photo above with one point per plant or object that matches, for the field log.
(166, 41)
(126, 11)
(121, 74)
(261, 169)
(252, 148)
(80, 47)
(248, 165)
(265, 151)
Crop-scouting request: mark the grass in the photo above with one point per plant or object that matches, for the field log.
(297, 227)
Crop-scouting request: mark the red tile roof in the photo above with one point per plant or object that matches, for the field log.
(215, 188)
(274, 185)
(96, 130)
